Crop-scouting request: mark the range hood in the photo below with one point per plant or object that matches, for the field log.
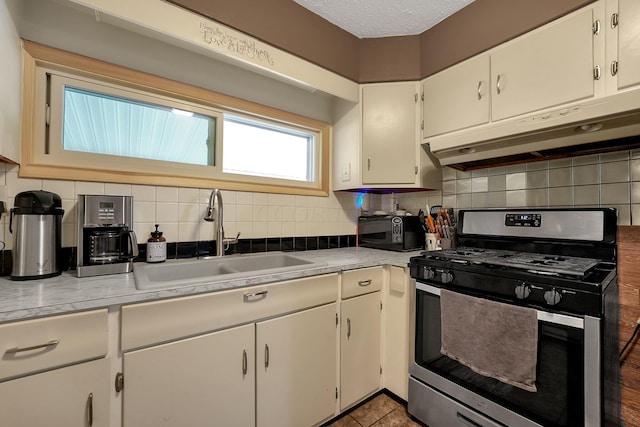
(591, 126)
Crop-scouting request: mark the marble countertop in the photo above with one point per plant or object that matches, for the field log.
(68, 293)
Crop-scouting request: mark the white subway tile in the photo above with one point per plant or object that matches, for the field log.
(83, 187)
(65, 189)
(167, 194)
(559, 163)
(585, 160)
(260, 213)
(190, 212)
(191, 195)
(635, 214)
(479, 200)
(624, 214)
(244, 198)
(516, 199)
(536, 179)
(615, 194)
(500, 170)
(614, 172)
(17, 185)
(448, 173)
(143, 193)
(560, 196)
(244, 213)
(463, 186)
(586, 195)
(117, 189)
(167, 212)
(536, 166)
(480, 184)
(585, 175)
(615, 156)
(144, 211)
(260, 199)
(260, 229)
(497, 199)
(463, 174)
(538, 197)
(245, 229)
(516, 168)
(497, 183)
(516, 181)
(463, 201)
(274, 213)
(274, 229)
(559, 177)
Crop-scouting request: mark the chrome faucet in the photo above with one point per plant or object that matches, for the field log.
(222, 244)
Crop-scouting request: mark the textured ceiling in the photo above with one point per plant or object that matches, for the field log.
(384, 18)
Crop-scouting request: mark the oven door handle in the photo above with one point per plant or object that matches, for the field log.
(544, 316)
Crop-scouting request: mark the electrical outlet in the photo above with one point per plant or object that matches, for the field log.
(346, 172)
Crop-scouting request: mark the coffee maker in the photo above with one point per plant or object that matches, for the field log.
(106, 241)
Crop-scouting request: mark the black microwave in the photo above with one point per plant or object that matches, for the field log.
(390, 232)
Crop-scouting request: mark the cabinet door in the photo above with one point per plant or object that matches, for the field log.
(75, 396)
(296, 368)
(208, 379)
(389, 133)
(396, 330)
(360, 348)
(457, 97)
(549, 67)
(628, 43)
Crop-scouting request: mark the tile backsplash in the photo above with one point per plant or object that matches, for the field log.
(603, 180)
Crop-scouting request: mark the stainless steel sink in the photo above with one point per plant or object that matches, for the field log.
(201, 271)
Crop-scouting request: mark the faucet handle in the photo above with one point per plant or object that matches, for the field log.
(231, 240)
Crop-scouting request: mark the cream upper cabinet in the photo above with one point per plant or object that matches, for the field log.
(457, 97)
(209, 377)
(624, 25)
(549, 66)
(359, 348)
(376, 143)
(546, 67)
(389, 137)
(296, 368)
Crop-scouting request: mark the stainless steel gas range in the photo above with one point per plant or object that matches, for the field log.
(517, 326)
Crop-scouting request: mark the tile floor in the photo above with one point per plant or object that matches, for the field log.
(381, 411)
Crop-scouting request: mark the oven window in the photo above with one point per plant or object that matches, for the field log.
(559, 400)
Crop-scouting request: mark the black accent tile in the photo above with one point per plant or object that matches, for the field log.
(334, 242)
(273, 244)
(243, 246)
(323, 242)
(299, 243)
(142, 253)
(353, 241)
(187, 249)
(206, 248)
(258, 245)
(6, 264)
(312, 243)
(172, 250)
(286, 244)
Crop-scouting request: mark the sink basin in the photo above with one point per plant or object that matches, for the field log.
(210, 270)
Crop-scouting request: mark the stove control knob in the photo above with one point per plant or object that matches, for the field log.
(428, 273)
(552, 297)
(446, 277)
(523, 290)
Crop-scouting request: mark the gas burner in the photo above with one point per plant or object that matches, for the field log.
(547, 264)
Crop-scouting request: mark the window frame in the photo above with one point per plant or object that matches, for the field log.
(79, 166)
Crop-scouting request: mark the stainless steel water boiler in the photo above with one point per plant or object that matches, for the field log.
(36, 224)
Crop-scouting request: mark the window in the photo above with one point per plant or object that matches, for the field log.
(138, 128)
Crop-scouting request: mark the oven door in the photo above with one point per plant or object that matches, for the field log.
(568, 372)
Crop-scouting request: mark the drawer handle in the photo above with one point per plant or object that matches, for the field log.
(15, 350)
(364, 282)
(90, 410)
(255, 294)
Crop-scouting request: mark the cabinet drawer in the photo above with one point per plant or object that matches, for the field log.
(362, 281)
(40, 344)
(161, 321)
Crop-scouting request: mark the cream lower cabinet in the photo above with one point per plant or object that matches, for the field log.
(360, 367)
(397, 295)
(75, 396)
(205, 380)
(296, 368)
(280, 372)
